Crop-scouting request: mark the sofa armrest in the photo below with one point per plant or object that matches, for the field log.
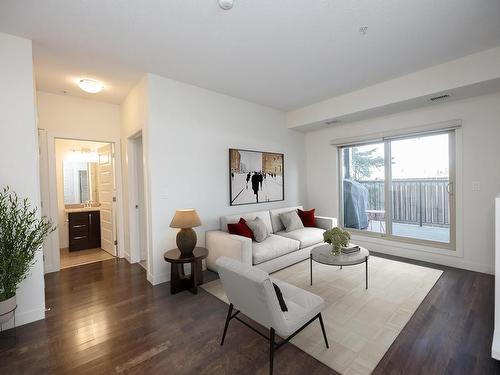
(325, 222)
(221, 243)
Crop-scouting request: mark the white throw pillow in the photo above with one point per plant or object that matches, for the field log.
(291, 221)
(259, 229)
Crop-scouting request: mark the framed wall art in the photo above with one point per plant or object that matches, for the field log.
(255, 177)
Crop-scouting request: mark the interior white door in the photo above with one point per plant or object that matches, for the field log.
(107, 195)
(141, 214)
(49, 263)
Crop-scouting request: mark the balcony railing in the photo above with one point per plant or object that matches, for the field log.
(422, 201)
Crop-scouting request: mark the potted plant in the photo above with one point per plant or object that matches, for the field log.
(338, 238)
(22, 233)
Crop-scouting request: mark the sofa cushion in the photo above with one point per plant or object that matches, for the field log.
(291, 221)
(307, 217)
(279, 295)
(306, 236)
(258, 228)
(241, 229)
(275, 217)
(233, 219)
(273, 247)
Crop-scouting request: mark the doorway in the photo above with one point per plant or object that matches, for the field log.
(85, 195)
(137, 202)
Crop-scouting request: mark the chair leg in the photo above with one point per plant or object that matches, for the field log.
(271, 351)
(229, 312)
(323, 329)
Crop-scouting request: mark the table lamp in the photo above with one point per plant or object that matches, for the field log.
(186, 238)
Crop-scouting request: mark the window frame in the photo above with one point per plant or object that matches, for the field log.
(388, 235)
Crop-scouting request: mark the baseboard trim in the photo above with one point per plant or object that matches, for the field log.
(165, 276)
(442, 259)
(25, 317)
(495, 346)
(158, 279)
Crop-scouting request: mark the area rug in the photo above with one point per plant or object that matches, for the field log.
(361, 324)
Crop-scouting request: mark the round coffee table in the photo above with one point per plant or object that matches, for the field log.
(178, 279)
(323, 254)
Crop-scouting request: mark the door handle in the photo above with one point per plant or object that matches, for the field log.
(449, 188)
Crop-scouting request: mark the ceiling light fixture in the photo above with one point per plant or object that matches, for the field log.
(363, 30)
(84, 155)
(226, 4)
(91, 86)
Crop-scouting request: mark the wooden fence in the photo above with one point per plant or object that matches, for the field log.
(423, 201)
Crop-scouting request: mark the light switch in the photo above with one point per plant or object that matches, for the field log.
(164, 193)
(476, 186)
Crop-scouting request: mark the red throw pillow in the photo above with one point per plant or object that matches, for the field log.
(307, 217)
(241, 229)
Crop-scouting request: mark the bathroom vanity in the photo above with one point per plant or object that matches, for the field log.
(84, 228)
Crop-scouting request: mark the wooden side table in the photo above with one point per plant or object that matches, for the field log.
(178, 279)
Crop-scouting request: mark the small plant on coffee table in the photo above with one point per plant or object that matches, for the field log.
(338, 238)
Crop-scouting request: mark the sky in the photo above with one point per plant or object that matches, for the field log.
(424, 157)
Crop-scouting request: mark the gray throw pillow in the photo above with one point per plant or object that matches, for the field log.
(291, 221)
(259, 229)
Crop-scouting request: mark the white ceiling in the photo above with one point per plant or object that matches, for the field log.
(281, 53)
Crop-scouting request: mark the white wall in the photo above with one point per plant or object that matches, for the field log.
(70, 117)
(480, 159)
(63, 150)
(64, 116)
(134, 120)
(190, 132)
(466, 71)
(19, 154)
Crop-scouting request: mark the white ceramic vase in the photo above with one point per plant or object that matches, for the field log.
(7, 308)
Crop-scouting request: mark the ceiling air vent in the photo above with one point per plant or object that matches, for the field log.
(439, 97)
(331, 122)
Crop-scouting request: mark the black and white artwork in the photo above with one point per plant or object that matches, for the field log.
(255, 177)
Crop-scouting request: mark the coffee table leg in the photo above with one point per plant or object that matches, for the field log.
(311, 267)
(366, 276)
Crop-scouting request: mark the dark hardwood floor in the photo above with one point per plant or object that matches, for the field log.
(452, 330)
(105, 318)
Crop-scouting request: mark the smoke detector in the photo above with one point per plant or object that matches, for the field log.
(226, 4)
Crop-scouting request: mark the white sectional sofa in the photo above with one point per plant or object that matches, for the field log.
(278, 251)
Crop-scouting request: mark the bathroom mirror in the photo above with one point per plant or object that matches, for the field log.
(80, 182)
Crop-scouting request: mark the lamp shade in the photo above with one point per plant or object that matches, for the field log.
(187, 218)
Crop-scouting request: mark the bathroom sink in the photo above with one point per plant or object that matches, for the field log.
(82, 209)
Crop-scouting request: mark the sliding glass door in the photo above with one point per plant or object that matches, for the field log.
(363, 187)
(400, 188)
(420, 187)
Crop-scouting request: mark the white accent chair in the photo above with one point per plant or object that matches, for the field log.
(250, 291)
